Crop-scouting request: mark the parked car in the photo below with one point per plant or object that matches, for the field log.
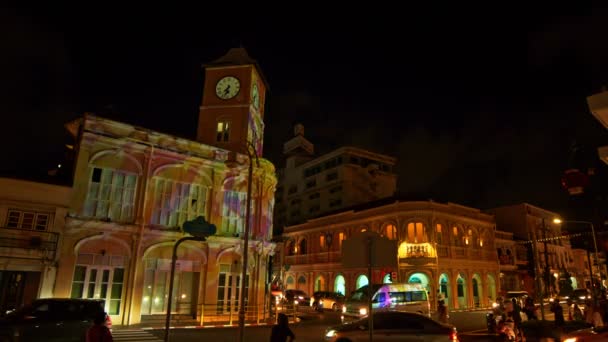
(520, 297)
(52, 319)
(580, 296)
(587, 335)
(297, 297)
(393, 326)
(322, 300)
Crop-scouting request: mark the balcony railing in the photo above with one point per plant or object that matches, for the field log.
(28, 244)
(313, 258)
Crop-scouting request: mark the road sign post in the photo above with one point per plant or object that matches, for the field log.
(381, 252)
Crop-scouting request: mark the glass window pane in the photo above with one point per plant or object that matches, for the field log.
(79, 273)
(114, 307)
(105, 276)
(116, 291)
(91, 290)
(118, 275)
(77, 289)
(103, 293)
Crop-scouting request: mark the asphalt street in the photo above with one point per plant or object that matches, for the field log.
(471, 327)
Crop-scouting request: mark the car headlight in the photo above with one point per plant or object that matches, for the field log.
(551, 300)
(582, 297)
(571, 339)
(494, 305)
(344, 309)
(300, 297)
(567, 297)
(363, 311)
(295, 302)
(331, 333)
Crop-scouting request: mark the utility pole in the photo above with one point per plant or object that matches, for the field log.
(547, 271)
(538, 291)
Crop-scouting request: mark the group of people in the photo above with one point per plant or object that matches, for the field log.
(595, 313)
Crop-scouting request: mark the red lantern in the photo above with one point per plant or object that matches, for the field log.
(575, 181)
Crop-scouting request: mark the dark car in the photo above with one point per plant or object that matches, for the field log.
(327, 300)
(297, 297)
(52, 319)
(393, 326)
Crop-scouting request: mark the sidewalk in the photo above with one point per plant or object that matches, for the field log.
(180, 325)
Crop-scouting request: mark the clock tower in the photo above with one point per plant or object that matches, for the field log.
(232, 111)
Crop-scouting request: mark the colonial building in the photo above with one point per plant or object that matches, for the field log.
(31, 221)
(446, 247)
(134, 188)
(312, 186)
(530, 223)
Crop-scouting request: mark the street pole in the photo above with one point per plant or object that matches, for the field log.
(171, 280)
(537, 271)
(243, 296)
(596, 257)
(547, 272)
(370, 293)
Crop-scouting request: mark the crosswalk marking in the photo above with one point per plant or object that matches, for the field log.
(134, 336)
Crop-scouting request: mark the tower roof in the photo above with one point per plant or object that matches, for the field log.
(238, 56)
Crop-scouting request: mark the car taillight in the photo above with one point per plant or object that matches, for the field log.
(453, 336)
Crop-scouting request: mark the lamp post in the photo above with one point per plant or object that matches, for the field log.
(559, 221)
(199, 229)
(251, 153)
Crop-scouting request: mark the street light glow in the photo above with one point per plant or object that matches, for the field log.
(557, 220)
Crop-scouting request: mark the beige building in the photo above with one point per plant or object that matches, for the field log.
(32, 217)
(446, 247)
(134, 188)
(530, 223)
(312, 186)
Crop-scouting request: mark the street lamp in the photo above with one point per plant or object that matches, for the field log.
(559, 221)
(251, 153)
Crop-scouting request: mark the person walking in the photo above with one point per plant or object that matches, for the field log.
(442, 311)
(281, 331)
(577, 313)
(99, 332)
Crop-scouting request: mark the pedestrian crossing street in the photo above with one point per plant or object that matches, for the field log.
(134, 336)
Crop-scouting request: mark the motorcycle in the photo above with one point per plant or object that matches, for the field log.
(491, 316)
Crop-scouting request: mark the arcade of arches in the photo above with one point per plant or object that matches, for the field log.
(464, 289)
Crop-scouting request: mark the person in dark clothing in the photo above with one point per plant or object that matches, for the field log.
(557, 309)
(281, 331)
(99, 332)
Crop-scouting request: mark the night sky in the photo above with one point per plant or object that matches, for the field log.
(480, 105)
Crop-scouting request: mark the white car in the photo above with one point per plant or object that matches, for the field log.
(394, 326)
(587, 335)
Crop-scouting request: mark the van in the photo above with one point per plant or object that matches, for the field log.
(387, 297)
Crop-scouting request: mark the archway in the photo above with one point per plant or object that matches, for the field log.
(477, 290)
(361, 281)
(444, 287)
(386, 279)
(100, 271)
(491, 288)
(302, 283)
(320, 283)
(290, 282)
(340, 284)
(461, 295)
(190, 258)
(420, 278)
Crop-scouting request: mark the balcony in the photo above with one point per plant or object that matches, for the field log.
(28, 244)
(313, 258)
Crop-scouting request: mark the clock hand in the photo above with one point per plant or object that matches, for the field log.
(227, 90)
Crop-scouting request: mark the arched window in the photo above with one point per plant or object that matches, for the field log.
(341, 237)
(438, 234)
(390, 231)
(415, 232)
(457, 239)
(302, 247)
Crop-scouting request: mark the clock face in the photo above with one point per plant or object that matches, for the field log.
(255, 95)
(227, 87)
